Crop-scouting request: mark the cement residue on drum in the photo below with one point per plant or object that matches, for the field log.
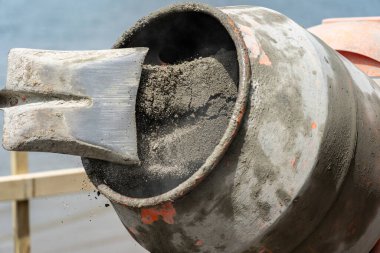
(179, 90)
(182, 112)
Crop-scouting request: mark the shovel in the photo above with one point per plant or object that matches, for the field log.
(73, 102)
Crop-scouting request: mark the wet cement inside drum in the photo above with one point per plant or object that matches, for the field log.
(182, 112)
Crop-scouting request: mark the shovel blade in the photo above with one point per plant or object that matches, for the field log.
(73, 102)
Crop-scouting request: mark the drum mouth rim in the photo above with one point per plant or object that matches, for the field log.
(234, 123)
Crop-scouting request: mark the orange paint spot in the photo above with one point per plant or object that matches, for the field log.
(166, 211)
(264, 59)
(293, 162)
(313, 125)
(199, 243)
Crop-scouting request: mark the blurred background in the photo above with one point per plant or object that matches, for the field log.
(80, 222)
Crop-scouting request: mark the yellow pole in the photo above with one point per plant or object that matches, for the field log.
(20, 212)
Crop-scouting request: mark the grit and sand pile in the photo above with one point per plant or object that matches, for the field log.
(182, 112)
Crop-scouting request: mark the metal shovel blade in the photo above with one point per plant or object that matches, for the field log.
(73, 102)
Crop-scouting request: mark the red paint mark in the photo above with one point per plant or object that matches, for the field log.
(313, 125)
(166, 211)
(264, 59)
(148, 216)
(23, 98)
(199, 243)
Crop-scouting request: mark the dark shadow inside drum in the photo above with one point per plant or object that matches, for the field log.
(176, 37)
(186, 98)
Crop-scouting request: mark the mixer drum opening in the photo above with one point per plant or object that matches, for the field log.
(174, 37)
(186, 100)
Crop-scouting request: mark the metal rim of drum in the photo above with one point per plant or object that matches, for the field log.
(233, 125)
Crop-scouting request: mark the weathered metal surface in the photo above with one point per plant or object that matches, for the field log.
(355, 38)
(80, 102)
(296, 169)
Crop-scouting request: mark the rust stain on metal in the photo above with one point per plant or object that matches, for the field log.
(166, 211)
